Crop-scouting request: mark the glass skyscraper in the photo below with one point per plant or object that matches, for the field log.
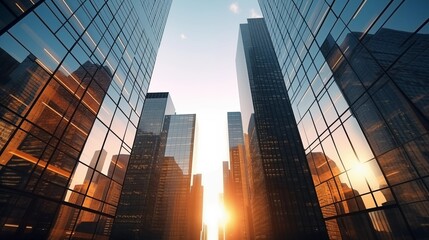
(154, 203)
(284, 201)
(236, 194)
(357, 76)
(74, 77)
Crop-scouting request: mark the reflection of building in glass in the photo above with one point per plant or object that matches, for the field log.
(235, 191)
(155, 199)
(73, 81)
(356, 74)
(289, 206)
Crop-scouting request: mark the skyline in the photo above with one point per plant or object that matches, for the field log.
(162, 120)
(196, 65)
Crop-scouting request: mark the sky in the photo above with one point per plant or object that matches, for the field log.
(196, 65)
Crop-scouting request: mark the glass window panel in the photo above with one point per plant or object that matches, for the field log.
(328, 109)
(411, 192)
(98, 189)
(366, 14)
(368, 201)
(415, 214)
(373, 175)
(318, 120)
(350, 10)
(64, 223)
(48, 17)
(121, 162)
(62, 166)
(23, 77)
(344, 148)
(358, 140)
(338, 100)
(331, 153)
(379, 136)
(32, 33)
(417, 9)
(396, 166)
(124, 106)
(6, 131)
(358, 180)
(384, 197)
(119, 123)
(418, 150)
(106, 112)
(79, 182)
(333, 187)
(79, 127)
(345, 190)
(94, 142)
(114, 193)
(130, 134)
(86, 225)
(112, 147)
(104, 226)
(49, 189)
(329, 211)
(308, 125)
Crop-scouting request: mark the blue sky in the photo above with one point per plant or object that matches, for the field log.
(196, 64)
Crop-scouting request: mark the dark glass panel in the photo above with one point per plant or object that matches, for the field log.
(396, 166)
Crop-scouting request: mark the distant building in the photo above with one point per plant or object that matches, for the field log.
(235, 194)
(154, 203)
(284, 201)
(196, 209)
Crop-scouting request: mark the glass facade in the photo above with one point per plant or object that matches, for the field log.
(74, 76)
(135, 210)
(284, 201)
(356, 73)
(235, 198)
(155, 201)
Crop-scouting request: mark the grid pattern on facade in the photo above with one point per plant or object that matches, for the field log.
(74, 76)
(291, 198)
(356, 74)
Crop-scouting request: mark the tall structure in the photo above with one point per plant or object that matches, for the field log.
(356, 74)
(135, 211)
(235, 195)
(154, 203)
(74, 76)
(284, 201)
(195, 225)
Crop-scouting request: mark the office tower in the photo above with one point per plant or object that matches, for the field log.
(225, 227)
(135, 210)
(196, 208)
(284, 203)
(74, 75)
(237, 226)
(154, 203)
(356, 74)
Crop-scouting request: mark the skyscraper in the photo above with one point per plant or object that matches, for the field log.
(236, 196)
(135, 211)
(284, 201)
(356, 74)
(155, 199)
(74, 76)
(195, 216)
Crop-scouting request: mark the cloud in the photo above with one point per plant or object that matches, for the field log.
(234, 8)
(254, 14)
(183, 36)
